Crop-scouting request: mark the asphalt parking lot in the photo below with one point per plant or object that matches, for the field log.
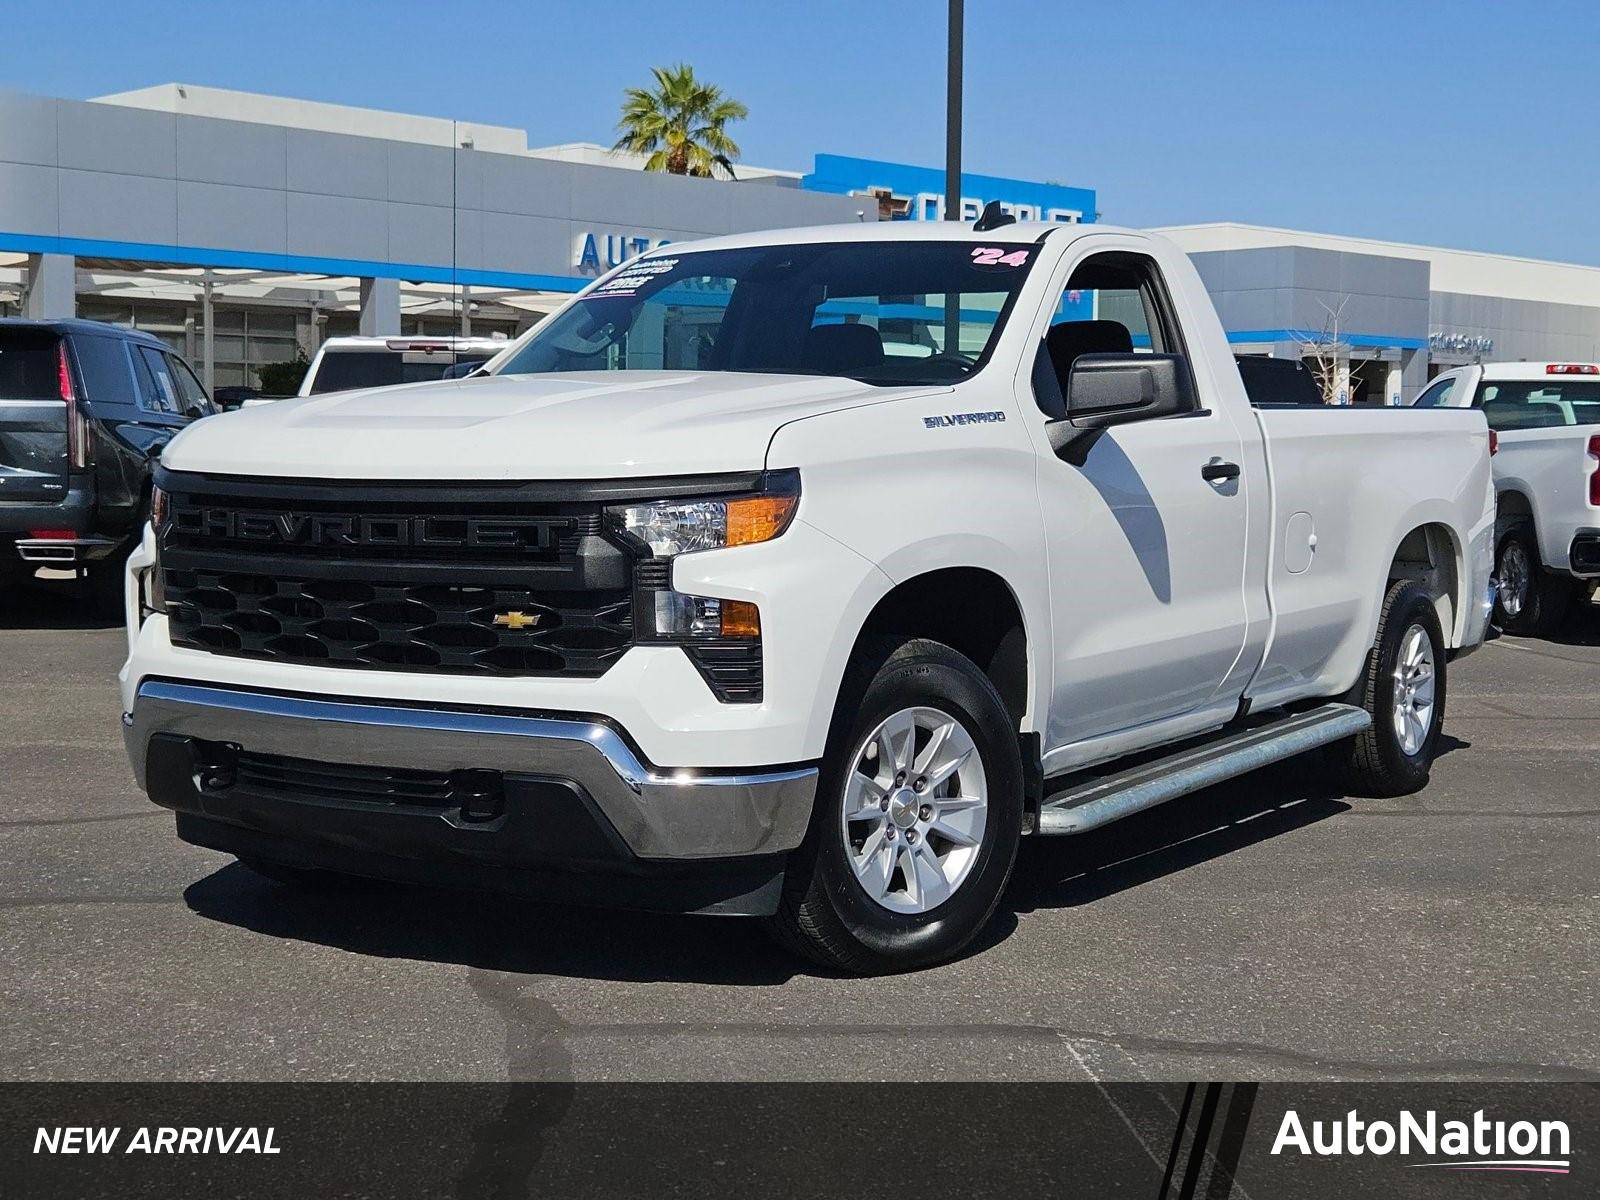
(1266, 929)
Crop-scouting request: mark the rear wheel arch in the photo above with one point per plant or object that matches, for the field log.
(1432, 557)
(1512, 507)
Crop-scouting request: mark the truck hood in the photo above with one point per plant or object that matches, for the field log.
(585, 425)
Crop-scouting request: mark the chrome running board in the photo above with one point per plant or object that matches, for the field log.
(1090, 803)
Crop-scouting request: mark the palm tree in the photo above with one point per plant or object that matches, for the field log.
(680, 124)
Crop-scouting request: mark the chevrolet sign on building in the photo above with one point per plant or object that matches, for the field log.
(906, 192)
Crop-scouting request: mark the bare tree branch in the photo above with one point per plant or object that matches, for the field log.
(1327, 355)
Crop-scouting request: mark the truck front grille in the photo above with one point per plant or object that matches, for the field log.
(425, 627)
(421, 577)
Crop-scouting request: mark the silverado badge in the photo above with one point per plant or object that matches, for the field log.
(516, 620)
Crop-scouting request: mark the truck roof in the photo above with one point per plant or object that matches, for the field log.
(901, 231)
(1540, 370)
(65, 325)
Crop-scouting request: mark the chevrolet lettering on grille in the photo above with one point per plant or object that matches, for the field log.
(324, 529)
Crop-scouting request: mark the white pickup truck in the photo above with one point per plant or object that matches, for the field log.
(345, 364)
(1546, 420)
(797, 575)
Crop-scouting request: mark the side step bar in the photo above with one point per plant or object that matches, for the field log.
(1089, 804)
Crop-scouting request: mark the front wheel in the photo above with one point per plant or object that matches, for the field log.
(917, 816)
(1403, 687)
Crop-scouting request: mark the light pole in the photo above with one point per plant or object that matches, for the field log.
(952, 163)
(952, 116)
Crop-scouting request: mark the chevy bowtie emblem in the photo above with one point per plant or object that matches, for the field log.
(516, 620)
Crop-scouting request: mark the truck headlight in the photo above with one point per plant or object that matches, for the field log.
(152, 586)
(679, 615)
(673, 527)
(721, 637)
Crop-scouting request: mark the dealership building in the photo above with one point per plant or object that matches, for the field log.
(244, 229)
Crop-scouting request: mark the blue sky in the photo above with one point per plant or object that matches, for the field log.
(1469, 124)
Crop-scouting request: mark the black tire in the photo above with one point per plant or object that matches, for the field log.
(1376, 763)
(1540, 597)
(825, 913)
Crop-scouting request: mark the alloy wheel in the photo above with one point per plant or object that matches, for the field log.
(914, 810)
(1414, 684)
(1515, 575)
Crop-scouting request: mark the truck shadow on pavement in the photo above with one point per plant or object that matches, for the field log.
(1272, 802)
(521, 937)
(1581, 627)
(495, 933)
(57, 602)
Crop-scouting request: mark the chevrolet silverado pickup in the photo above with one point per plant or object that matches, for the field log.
(1546, 421)
(797, 575)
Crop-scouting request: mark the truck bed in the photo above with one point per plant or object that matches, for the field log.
(1362, 469)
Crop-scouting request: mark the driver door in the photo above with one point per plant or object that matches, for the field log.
(1145, 535)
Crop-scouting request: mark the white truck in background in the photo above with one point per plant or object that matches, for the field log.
(800, 575)
(1546, 420)
(344, 364)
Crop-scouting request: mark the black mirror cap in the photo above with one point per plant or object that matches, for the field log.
(1113, 389)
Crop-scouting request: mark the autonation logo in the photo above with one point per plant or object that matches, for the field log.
(1541, 1148)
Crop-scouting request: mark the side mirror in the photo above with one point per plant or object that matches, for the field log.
(1113, 389)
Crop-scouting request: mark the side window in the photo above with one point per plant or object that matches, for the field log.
(192, 398)
(160, 390)
(107, 374)
(1437, 395)
(1113, 303)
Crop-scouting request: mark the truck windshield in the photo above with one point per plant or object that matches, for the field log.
(1539, 404)
(885, 313)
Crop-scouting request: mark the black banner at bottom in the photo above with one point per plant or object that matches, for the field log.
(1156, 1141)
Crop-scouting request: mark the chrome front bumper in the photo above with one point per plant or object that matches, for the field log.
(678, 814)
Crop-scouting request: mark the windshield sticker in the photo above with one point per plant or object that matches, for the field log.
(997, 256)
(634, 276)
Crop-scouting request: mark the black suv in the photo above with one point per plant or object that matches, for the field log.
(85, 409)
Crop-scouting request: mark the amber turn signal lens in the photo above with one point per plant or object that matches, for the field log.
(741, 619)
(759, 519)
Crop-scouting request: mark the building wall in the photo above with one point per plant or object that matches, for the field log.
(1520, 329)
(101, 180)
(260, 109)
(1393, 308)
(1268, 295)
(1471, 272)
(1480, 307)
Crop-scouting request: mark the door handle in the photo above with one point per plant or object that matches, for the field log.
(1214, 472)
